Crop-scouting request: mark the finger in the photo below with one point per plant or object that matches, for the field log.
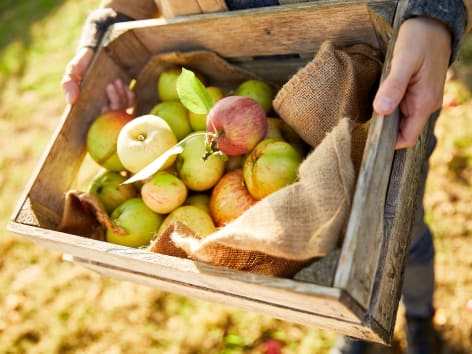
(113, 97)
(73, 74)
(415, 114)
(393, 89)
(70, 87)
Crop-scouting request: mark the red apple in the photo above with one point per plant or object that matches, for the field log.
(236, 124)
(102, 139)
(230, 198)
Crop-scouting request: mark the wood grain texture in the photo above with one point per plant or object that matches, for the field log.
(257, 32)
(59, 165)
(212, 5)
(402, 199)
(174, 8)
(303, 297)
(230, 299)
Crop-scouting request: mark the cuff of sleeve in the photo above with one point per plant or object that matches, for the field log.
(450, 12)
(96, 26)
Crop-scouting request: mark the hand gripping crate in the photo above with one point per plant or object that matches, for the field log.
(362, 289)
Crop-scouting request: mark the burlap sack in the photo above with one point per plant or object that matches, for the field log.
(337, 83)
(284, 231)
(216, 71)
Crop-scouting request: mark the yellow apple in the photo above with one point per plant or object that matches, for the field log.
(144, 139)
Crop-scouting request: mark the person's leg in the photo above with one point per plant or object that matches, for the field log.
(419, 281)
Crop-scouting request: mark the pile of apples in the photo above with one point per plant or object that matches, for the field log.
(229, 151)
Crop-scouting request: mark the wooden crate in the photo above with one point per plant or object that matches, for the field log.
(361, 291)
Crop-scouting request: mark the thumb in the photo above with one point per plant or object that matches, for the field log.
(393, 88)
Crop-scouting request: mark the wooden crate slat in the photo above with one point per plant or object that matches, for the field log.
(362, 247)
(402, 198)
(258, 32)
(212, 5)
(57, 169)
(276, 311)
(303, 296)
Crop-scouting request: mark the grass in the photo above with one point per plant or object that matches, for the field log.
(51, 306)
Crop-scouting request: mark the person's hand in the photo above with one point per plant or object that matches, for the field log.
(73, 74)
(119, 96)
(416, 80)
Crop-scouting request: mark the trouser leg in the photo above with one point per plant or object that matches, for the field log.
(418, 282)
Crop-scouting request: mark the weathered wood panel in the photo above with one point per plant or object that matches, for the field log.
(362, 246)
(59, 165)
(257, 32)
(287, 293)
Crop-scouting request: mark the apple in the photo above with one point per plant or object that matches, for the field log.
(197, 173)
(164, 192)
(200, 200)
(258, 90)
(108, 188)
(230, 198)
(102, 137)
(272, 165)
(234, 162)
(198, 121)
(278, 128)
(138, 221)
(196, 219)
(236, 124)
(274, 128)
(166, 84)
(144, 139)
(176, 115)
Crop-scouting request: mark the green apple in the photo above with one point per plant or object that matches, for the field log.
(166, 84)
(176, 115)
(196, 219)
(198, 121)
(164, 192)
(258, 90)
(108, 188)
(144, 139)
(197, 173)
(102, 138)
(200, 200)
(138, 221)
(271, 165)
(279, 129)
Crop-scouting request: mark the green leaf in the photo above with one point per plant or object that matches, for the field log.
(192, 93)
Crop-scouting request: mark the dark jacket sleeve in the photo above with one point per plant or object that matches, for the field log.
(97, 24)
(450, 12)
